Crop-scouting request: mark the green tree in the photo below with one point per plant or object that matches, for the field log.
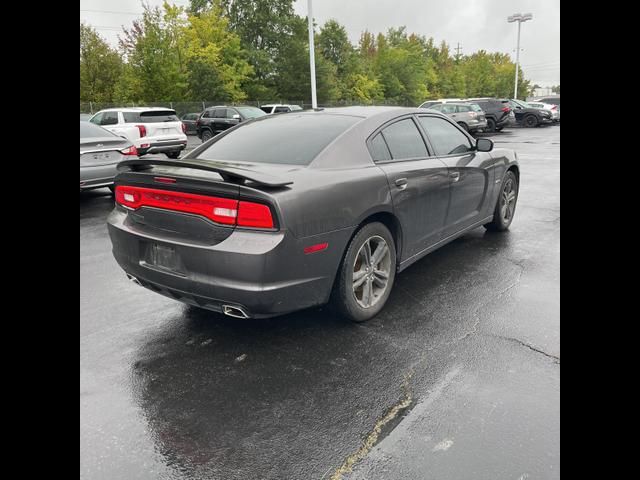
(100, 67)
(216, 64)
(157, 69)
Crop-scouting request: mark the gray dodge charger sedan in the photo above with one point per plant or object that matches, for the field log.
(290, 211)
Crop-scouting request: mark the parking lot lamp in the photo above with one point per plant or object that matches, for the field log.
(516, 17)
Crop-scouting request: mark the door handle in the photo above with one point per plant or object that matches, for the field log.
(401, 183)
(455, 176)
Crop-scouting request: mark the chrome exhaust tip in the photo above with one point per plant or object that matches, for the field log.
(134, 279)
(233, 311)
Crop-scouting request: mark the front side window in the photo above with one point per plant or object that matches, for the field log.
(445, 138)
(97, 119)
(448, 109)
(404, 140)
(109, 118)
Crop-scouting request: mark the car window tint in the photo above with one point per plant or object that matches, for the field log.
(290, 139)
(281, 109)
(378, 149)
(464, 108)
(220, 113)
(404, 140)
(97, 119)
(445, 138)
(448, 109)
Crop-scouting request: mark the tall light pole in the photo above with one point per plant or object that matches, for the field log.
(517, 17)
(312, 57)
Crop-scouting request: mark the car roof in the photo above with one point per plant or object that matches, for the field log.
(136, 109)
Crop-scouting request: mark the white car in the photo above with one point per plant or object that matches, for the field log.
(555, 111)
(150, 129)
(279, 108)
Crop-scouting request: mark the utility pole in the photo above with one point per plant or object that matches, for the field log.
(312, 58)
(458, 48)
(518, 17)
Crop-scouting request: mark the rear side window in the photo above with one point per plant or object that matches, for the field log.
(404, 140)
(289, 139)
(448, 109)
(151, 116)
(445, 138)
(378, 149)
(281, 109)
(266, 109)
(220, 113)
(464, 108)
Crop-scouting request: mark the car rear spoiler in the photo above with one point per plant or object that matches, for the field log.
(230, 173)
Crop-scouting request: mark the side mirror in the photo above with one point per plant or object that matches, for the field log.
(484, 145)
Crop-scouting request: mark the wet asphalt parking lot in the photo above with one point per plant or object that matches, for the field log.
(457, 378)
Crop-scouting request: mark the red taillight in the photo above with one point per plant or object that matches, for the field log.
(184, 128)
(221, 210)
(255, 215)
(143, 130)
(132, 150)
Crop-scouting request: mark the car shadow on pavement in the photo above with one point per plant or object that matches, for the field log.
(290, 396)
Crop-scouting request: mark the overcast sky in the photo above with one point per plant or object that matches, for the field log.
(476, 24)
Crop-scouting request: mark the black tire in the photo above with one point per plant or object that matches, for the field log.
(173, 154)
(464, 126)
(499, 129)
(530, 121)
(491, 125)
(502, 219)
(344, 298)
(206, 135)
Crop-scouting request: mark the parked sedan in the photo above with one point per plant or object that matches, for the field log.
(189, 121)
(292, 211)
(100, 152)
(468, 115)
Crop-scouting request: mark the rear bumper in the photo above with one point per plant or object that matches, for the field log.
(264, 273)
(477, 125)
(97, 176)
(162, 147)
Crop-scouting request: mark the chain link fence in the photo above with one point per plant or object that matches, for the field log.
(183, 108)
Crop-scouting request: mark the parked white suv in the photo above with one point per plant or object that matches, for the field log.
(279, 108)
(150, 129)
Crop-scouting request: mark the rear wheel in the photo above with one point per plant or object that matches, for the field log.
(530, 121)
(366, 274)
(505, 205)
(206, 135)
(173, 154)
(491, 125)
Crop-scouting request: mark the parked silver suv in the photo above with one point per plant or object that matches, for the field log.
(466, 114)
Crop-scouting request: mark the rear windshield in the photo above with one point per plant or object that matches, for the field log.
(152, 116)
(88, 130)
(290, 139)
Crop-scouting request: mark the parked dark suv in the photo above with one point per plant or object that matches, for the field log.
(495, 110)
(217, 119)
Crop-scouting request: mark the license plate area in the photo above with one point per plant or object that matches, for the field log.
(162, 257)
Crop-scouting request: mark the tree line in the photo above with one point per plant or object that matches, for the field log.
(246, 50)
